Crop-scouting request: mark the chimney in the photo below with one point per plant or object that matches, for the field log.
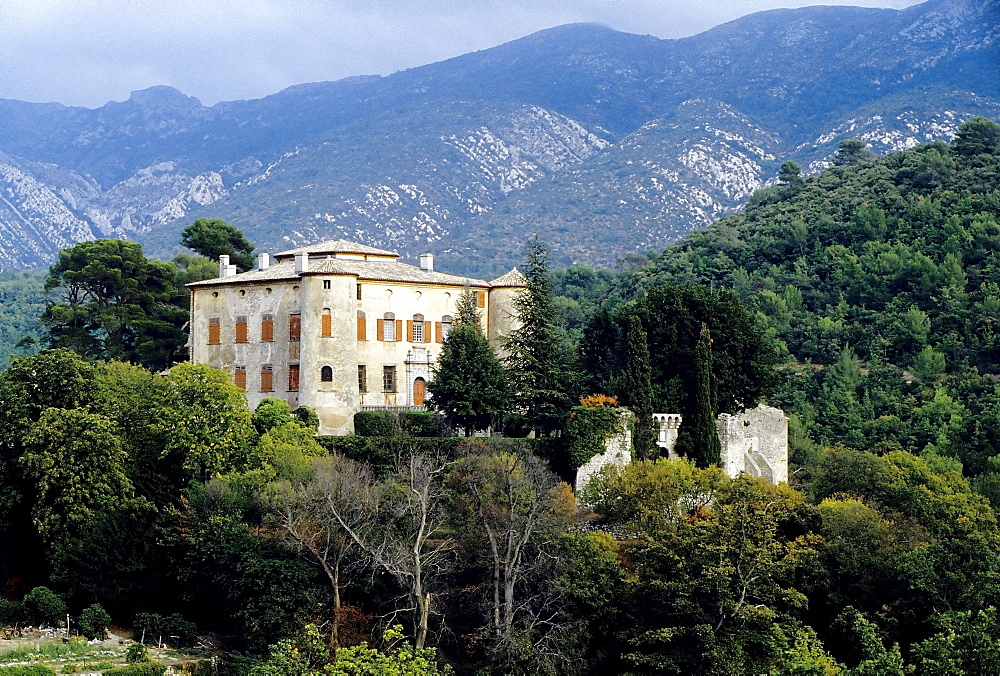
(427, 262)
(230, 271)
(263, 261)
(301, 263)
(223, 265)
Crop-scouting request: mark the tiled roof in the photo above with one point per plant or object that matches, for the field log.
(336, 246)
(385, 271)
(512, 278)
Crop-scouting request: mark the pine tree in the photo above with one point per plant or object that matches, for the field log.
(540, 364)
(470, 386)
(638, 389)
(697, 438)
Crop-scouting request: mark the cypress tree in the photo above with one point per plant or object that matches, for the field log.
(638, 387)
(697, 438)
(470, 386)
(540, 364)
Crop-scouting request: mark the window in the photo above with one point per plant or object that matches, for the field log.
(362, 378)
(266, 328)
(387, 330)
(326, 283)
(416, 329)
(214, 331)
(326, 374)
(267, 378)
(295, 327)
(362, 327)
(241, 329)
(480, 299)
(240, 377)
(293, 377)
(358, 291)
(444, 327)
(327, 328)
(388, 378)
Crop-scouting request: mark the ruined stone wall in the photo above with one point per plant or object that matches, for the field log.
(618, 452)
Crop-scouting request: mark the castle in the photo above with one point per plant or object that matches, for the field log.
(338, 326)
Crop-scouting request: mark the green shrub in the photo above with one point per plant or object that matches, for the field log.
(44, 605)
(136, 653)
(307, 417)
(271, 413)
(146, 669)
(173, 629)
(11, 613)
(27, 670)
(376, 424)
(421, 424)
(94, 622)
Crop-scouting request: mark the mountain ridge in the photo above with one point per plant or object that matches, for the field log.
(479, 139)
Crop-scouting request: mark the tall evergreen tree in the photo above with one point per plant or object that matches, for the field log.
(697, 438)
(540, 364)
(470, 386)
(600, 360)
(212, 237)
(638, 389)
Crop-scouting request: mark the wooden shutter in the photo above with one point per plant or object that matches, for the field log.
(438, 332)
(409, 330)
(266, 379)
(214, 331)
(327, 325)
(427, 331)
(295, 327)
(267, 329)
(480, 299)
(241, 329)
(362, 329)
(240, 377)
(399, 329)
(293, 377)
(380, 327)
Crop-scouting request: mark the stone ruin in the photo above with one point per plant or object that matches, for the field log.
(754, 441)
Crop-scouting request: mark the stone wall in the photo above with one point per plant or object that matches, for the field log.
(618, 452)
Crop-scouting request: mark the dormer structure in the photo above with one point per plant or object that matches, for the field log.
(338, 326)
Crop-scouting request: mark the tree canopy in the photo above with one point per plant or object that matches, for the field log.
(213, 237)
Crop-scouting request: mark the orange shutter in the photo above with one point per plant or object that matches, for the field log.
(362, 329)
(266, 380)
(409, 330)
(293, 377)
(267, 330)
(214, 332)
(480, 298)
(399, 329)
(294, 327)
(240, 378)
(327, 326)
(380, 325)
(241, 332)
(427, 332)
(438, 332)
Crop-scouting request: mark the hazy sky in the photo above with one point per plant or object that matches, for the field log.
(87, 52)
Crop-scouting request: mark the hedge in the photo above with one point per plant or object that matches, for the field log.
(144, 669)
(381, 452)
(27, 670)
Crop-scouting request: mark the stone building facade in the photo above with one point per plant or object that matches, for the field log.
(337, 326)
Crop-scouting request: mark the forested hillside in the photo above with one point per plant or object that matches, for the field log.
(879, 280)
(22, 300)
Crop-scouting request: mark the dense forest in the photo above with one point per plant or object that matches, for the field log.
(861, 300)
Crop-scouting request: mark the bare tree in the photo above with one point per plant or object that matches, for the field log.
(519, 507)
(397, 523)
(304, 513)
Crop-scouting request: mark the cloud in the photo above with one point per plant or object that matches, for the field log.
(86, 52)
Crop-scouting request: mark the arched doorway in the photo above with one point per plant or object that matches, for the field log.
(418, 392)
